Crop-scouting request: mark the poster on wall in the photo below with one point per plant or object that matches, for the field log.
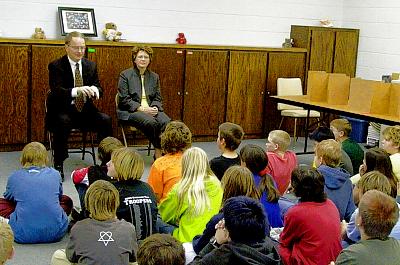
(77, 19)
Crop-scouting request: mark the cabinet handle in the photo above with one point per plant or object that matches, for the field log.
(186, 93)
(262, 92)
(189, 52)
(179, 52)
(179, 93)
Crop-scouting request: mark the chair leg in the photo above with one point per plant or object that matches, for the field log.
(295, 130)
(93, 152)
(123, 136)
(280, 124)
(83, 144)
(148, 148)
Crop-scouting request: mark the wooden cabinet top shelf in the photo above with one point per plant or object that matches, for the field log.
(154, 45)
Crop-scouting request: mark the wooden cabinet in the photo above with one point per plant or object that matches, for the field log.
(333, 50)
(169, 64)
(14, 91)
(42, 55)
(206, 73)
(203, 86)
(246, 90)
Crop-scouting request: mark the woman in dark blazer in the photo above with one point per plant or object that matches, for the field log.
(140, 102)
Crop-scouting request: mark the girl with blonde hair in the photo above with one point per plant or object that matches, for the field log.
(138, 203)
(193, 200)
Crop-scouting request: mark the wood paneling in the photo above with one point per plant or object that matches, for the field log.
(111, 61)
(41, 57)
(346, 52)
(169, 64)
(284, 65)
(14, 85)
(321, 54)
(246, 90)
(205, 86)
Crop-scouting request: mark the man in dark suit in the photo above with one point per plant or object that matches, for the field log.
(74, 84)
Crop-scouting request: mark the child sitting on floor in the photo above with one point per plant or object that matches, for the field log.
(281, 161)
(341, 128)
(102, 238)
(34, 200)
(337, 180)
(166, 170)
(83, 177)
(253, 157)
(391, 144)
(169, 251)
(229, 138)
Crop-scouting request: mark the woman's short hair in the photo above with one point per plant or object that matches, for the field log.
(255, 158)
(245, 219)
(102, 200)
(176, 137)
(308, 184)
(34, 154)
(281, 138)
(106, 147)
(161, 249)
(137, 49)
(232, 134)
(239, 181)
(6, 242)
(379, 213)
(330, 151)
(128, 164)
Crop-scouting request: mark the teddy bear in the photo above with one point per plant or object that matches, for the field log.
(39, 34)
(111, 33)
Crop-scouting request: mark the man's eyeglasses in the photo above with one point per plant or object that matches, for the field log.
(78, 48)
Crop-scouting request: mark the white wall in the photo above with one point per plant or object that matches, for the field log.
(379, 46)
(221, 22)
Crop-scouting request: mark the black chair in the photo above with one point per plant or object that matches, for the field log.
(75, 132)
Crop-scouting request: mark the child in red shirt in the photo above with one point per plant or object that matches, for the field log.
(281, 162)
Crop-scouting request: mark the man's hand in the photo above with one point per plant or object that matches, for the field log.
(89, 91)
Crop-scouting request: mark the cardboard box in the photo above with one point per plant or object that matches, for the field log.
(317, 86)
(369, 96)
(394, 102)
(338, 89)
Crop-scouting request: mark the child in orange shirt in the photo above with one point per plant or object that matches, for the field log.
(166, 170)
(281, 162)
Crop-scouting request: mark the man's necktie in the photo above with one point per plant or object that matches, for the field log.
(80, 98)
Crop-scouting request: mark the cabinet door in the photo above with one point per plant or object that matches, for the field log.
(111, 61)
(169, 64)
(41, 57)
(321, 54)
(286, 65)
(205, 85)
(14, 85)
(346, 52)
(246, 89)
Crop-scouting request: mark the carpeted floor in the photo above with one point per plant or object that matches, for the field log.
(40, 254)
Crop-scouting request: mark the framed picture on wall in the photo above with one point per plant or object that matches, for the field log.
(77, 19)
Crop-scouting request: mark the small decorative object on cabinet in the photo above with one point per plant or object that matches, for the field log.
(181, 38)
(39, 34)
(111, 33)
(288, 43)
